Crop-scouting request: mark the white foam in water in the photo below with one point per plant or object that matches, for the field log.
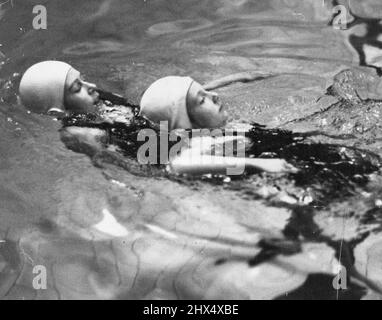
(110, 225)
(119, 184)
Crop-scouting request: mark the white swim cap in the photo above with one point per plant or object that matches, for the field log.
(165, 100)
(42, 86)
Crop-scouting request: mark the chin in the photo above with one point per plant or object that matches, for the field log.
(216, 125)
(91, 108)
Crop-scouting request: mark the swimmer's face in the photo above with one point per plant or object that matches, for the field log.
(205, 108)
(80, 96)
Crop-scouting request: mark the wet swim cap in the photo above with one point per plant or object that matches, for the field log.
(165, 100)
(42, 86)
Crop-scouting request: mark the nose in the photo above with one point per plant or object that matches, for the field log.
(215, 97)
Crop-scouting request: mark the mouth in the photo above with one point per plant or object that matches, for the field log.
(223, 112)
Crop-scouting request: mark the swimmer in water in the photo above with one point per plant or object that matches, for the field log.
(56, 88)
(184, 103)
(53, 87)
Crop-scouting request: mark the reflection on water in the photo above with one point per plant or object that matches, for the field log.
(105, 233)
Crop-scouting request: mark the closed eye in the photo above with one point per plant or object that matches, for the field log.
(76, 86)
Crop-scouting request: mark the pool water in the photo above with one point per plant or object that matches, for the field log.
(106, 233)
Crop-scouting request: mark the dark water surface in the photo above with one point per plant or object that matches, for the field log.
(107, 233)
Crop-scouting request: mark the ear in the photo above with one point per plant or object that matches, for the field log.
(56, 112)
